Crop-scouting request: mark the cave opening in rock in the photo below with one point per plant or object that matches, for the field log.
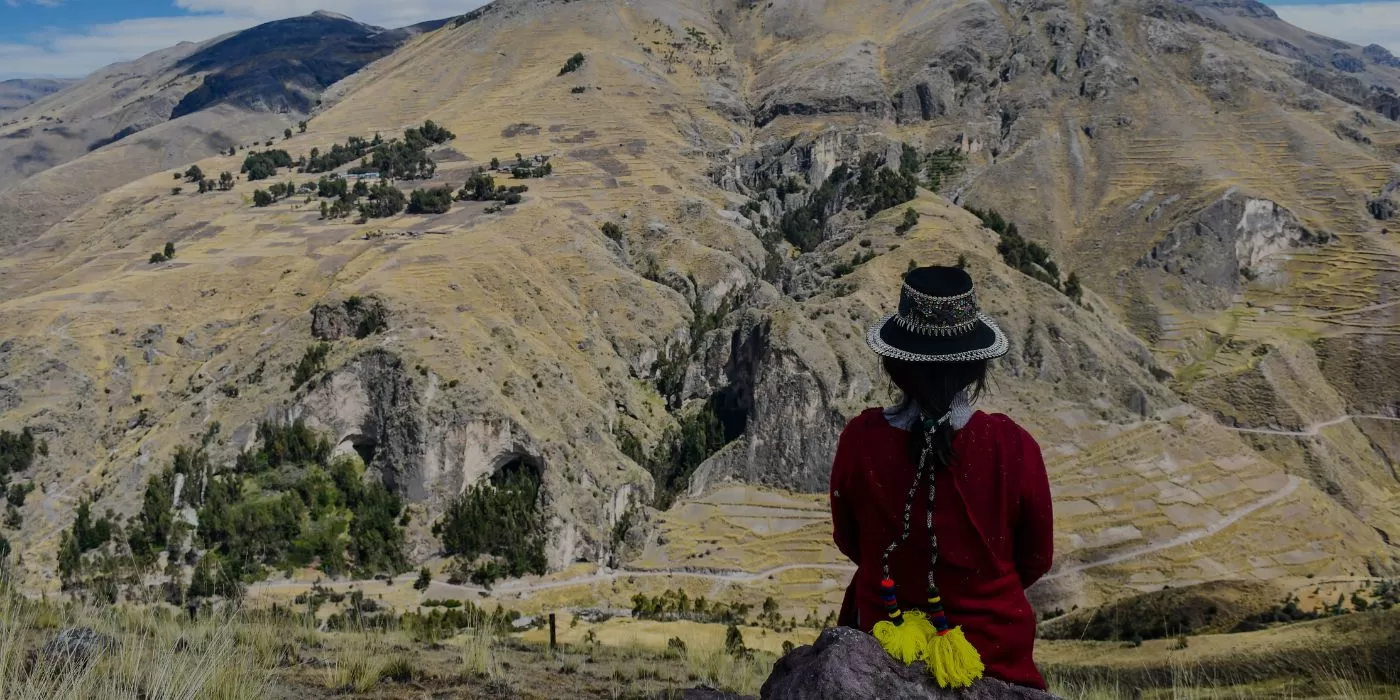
(735, 401)
(366, 447)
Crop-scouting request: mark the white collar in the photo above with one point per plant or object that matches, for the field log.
(905, 415)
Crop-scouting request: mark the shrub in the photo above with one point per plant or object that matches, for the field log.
(194, 174)
(226, 180)
(437, 200)
(911, 219)
(1073, 290)
(312, 362)
(176, 190)
(261, 198)
(578, 90)
(574, 63)
(612, 230)
(425, 579)
(962, 261)
(287, 133)
(169, 250)
(156, 258)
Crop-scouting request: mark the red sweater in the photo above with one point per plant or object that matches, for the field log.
(993, 519)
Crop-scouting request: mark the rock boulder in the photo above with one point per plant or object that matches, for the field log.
(846, 664)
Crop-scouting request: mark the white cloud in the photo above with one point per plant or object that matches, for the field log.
(42, 3)
(76, 53)
(1359, 23)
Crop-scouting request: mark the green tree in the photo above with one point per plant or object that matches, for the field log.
(734, 642)
(287, 133)
(1073, 290)
(425, 579)
(156, 258)
(574, 63)
(301, 127)
(169, 250)
(495, 163)
(261, 198)
(226, 180)
(194, 174)
(911, 219)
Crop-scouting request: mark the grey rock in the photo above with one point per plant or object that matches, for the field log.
(1233, 234)
(78, 646)
(702, 693)
(847, 664)
(1386, 204)
(356, 317)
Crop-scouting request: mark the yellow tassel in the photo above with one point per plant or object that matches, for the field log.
(952, 660)
(907, 640)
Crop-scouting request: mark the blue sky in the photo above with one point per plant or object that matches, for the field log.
(69, 38)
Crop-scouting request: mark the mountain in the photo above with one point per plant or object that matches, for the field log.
(20, 92)
(175, 106)
(676, 309)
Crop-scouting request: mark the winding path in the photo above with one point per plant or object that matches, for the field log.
(1311, 431)
(1185, 537)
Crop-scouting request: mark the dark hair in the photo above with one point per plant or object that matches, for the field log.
(932, 386)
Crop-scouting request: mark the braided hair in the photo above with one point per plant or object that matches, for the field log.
(932, 386)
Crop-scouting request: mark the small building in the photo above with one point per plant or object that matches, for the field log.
(364, 176)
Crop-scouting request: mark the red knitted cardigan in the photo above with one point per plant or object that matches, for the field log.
(993, 518)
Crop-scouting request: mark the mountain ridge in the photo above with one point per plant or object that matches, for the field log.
(1156, 156)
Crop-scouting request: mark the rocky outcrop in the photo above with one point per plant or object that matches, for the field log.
(1235, 239)
(785, 410)
(1386, 204)
(847, 664)
(357, 317)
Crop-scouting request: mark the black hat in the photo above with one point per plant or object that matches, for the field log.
(938, 321)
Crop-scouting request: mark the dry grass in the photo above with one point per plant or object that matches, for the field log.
(479, 654)
(150, 657)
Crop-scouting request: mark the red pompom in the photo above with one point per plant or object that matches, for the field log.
(887, 583)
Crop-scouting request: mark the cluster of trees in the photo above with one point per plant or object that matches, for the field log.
(306, 509)
(1029, 257)
(404, 159)
(870, 186)
(481, 187)
(166, 253)
(384, 200)
(437, 200)
(261, 165)
(802, 226)
(526, 169)
(498, 522)
(17, 454)
(277, 191)
(196, 175)
(86, 535)
(676, 605)
(574, 63)
(354, 149)
(18, 451)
